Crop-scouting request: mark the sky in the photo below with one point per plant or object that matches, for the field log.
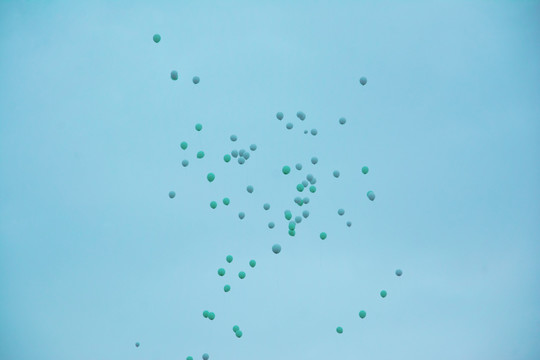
(95, 256)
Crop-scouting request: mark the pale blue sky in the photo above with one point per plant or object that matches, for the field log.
(94, 256)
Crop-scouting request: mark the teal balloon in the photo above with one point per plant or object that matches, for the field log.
(184, 145)
(226, 201)
(271, 225)
(206, 356)
(305, 200)
(298, 166)
(189, 358)
(241, 152)
(276, 248)
(362, 314)
(349, 223)
(137, 344)
(156, 38)
(211, 316)
(301, 115)
(200, 154)
(241, 215)
(314, 132)
(399, 272)
(227, 288)
(234, 137)
(185, 163)
(383, 293)
(309, 177)
(371, 195)
(336, 173)
(249, 189)
(289, 126)
(239, 334)
(339, 330)
(300, 187)
(234, 153)
(298, 219)
(198, 127)
(314, 160)
(305, 214)
(341, 212)
(196, 80)
(279, 115)
(286, 170)
(221, 271)
(288, 214)
(312, 188)
(227, 158)
(172, 194)
(210, 177)
(241, 274)
(235, 328)
(305, 183)
(365, 170)
(323, 236)
(252, 263)
(253, 147)
(213, 204)
(292, 232)
(298, 200)
(229, 258)
(241, 160)
(342, 121)
(174, 75)
(205, 313)
(363, 80)
(266, 206)
(292, 225)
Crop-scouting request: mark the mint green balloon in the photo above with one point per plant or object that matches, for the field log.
(286, 170)
(198, 127)
(292, 225)
(184, 145)
(252, 263)
(300, 187)
(312, 188)
(323, 236)
(213, 204)
(156, 38)
(221, 271)
(227, 158)
(383, 293)
(288, 215)
(371, 195)
(189, 358)
(362, 314)
(210, 177)
(241, 274)
(276, 248)
(196, 80)
(211, 316)
(239, 334)
(292, 232)
(365, 170)
(205, 313)
(235, 328)
(227, 288)
(229, 258)
(200, 154)
(339, 330)
(226, 201)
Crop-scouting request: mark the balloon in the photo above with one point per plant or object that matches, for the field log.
(221, 271)
(289, 126)
(336, 173)
(312, 188)
(292, 232)
(156, 38)
(271, 225)
(198, 127)
(305, 200)
(234, 137)
(292, 225)
(399, 272)
(341, 212)
(226, 201)
(183, 145)
(314, 132)
(210, 177)
(253, 147)
(196, 80)
(339, 330)
(246, 155)
(174, 75)
(211, 316)
(279, 116)
(229, 258)
(288, 214)
(234, 153)
(172, 194)
(249, 189)
(205, 356)
(241, 152)
(371, 195)
(363, 81)
(305, 214)
(241, 160)
(227, 158)
(235, 328)
(205, 313)
(298, 166)
(309, 177)
(362, 314)
(301, 115)
(252, 263)
(276, 248)
(383, 293)
(323, 236)
(137, 344)
(241, 215)
(266, 206)
(213, 204)
(239, 334)
(342, 121)
(298, 219)
(305, 183)
(365, 170)
(300, 187)
(200, 154)
(314, 160)
(349, 223)
(286, 170)
(185, 163)
(241, 274)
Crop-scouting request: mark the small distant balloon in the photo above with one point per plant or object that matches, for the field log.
(249, 189)
(383, 293)
(235, 328)
(189, 358)
(312, 188)
(286, 170)
(292, 225)
(276, 248)
(342, 121)
(227, 288)
(288, 214)
(241, 215)
(371, 195)
(314, 160)
(305, 214)
(196, 80)
(238, 334)
(365, 170)
(137, 344)
(234, 137)
(292, 232)
(185, 163)
(298, 219)
(227, 158)
(198, 127)
(213, 204)
(205, 313)
(172, 194)
(309, 177)
(363, 80)
(300, 187)
(156, 38)
(399, 272)
(341, 212)
(234, 153)
(336, 173)
(241, 152)
(184, 145)
(211, 316)
(221, 271)
(241, 160)
(253, 147)
(298, 166)
(206, 356)
(174, 75)
(289, 126)
(305, 200)
(323, 236)
(200, 154)
(305, 183)
(279, 115)
(246, 155)
(229, 258)
(266, 206)
(241, 274)
(271, 225)
(349, 223)
(314, 132)
(305, 131)
(252, 263)
(362, 314)
(339, 330)
(301, 115)
(226, 201)
(210, 177)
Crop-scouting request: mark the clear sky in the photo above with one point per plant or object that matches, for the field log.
(95, 256)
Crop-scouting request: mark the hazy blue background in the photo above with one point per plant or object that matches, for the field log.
(94, 256)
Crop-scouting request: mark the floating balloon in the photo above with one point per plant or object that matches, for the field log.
(196, 80)
(298, 200)
(213, 204)
(189, 358)
(362, 314)
(286, 170)
(276, 248)
(210, 177)
(226, 201)
(336, 173)
(235, 328)
(156, 38)
(298, 166)
(323, 236)
(266, 206)
(305, 183)
(200, 154)
(314, 160)
(241, 152)
(312, 188)
(305, 214)
(298, 219)
(227, 158)
(292, 232)
(305, 200)
(241, 160)
(137, 344)
(221, 271)
(234, 153)
(363, 80)
(309, 177)
(241, 215)
(253, 147)
(300, 187)
(211, 316)
(198, 127)
(185, 163)
(314, 132)
(205, 313)
(174, 75)
(301, 115)
(292, 225)
(365, 170)
(289, 126)
(342, 121)
(172, 194)
(252, 263)
(241, 274)
(341, 212)
(399, 272)
(229, 258)
(383, 293)
(279, 116)
(233, 137)
(238, 334)
(349, 223)
(288, 214)
(183, 145)
(339, 330)
(246, 155)
(305, 131)
(271, 225)
(249, 189)
(227, 288)
(371, 195)
(206, 356)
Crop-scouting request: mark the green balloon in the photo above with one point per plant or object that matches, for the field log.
(189, 358)
(227, 158)
(200, 154)
(279, 115)
(339, 330)
(211, 316)
(362, 314)
(183, 145)
(288, 215)
(227, 288)
(365, 170)
(210, 177)
(383, 293)
(300, 187)
(239, 334)
(266, 206)
(286, 170)
(252, 263)
(205, 313)
(292, 225)
(399, 272)
(226, 201)
(172, 194)
(371, 195)
(185, 163)
(363, 80)
(213, 204)
(312, 188)
(196, 80)
(276, 248)
(174, 75)
(235, 328)
(241, 274)
(229, 258)
(292, 232)
(341, 212)
(221, 271)
(241, 215)
(156, 38)
(271, 225)
(323, 236)
(198, 127)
